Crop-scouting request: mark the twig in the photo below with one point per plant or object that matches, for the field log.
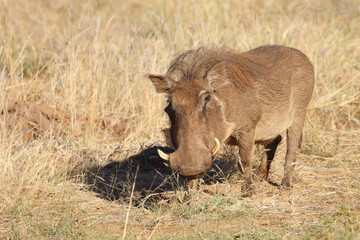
(157, 224)
(131, 197)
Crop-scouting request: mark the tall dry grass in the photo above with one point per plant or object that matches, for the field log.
(89, 58)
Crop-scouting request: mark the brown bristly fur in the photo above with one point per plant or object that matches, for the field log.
(193, 64)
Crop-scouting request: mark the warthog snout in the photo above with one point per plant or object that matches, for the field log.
(177, 161)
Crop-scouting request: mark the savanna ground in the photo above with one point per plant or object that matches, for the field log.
(87, 122)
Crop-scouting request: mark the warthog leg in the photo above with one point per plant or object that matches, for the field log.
(293, 134)
(246, 146)
(268, 156)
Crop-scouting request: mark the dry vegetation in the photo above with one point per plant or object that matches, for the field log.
(76, 71)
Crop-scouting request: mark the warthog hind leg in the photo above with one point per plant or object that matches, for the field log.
(267, 158)
(293, 135)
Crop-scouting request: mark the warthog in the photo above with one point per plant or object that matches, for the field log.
(217, 95)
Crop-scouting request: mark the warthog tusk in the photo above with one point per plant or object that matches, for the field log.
(165, 164)
(216, 148)
(163, 155)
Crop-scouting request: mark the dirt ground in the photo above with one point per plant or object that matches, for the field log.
(324, 202)
(139, 197)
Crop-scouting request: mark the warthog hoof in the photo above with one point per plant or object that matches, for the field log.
(286, 183)
(248, 188)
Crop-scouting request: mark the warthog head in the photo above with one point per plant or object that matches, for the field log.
(197, 115)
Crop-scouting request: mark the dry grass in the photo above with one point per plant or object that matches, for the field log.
(88, 59)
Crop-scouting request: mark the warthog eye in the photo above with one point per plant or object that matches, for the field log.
(207, 99)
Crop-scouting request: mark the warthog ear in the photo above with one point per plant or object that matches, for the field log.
(162, 84)
(217, 75)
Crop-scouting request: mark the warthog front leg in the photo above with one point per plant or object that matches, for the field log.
(246, 146)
